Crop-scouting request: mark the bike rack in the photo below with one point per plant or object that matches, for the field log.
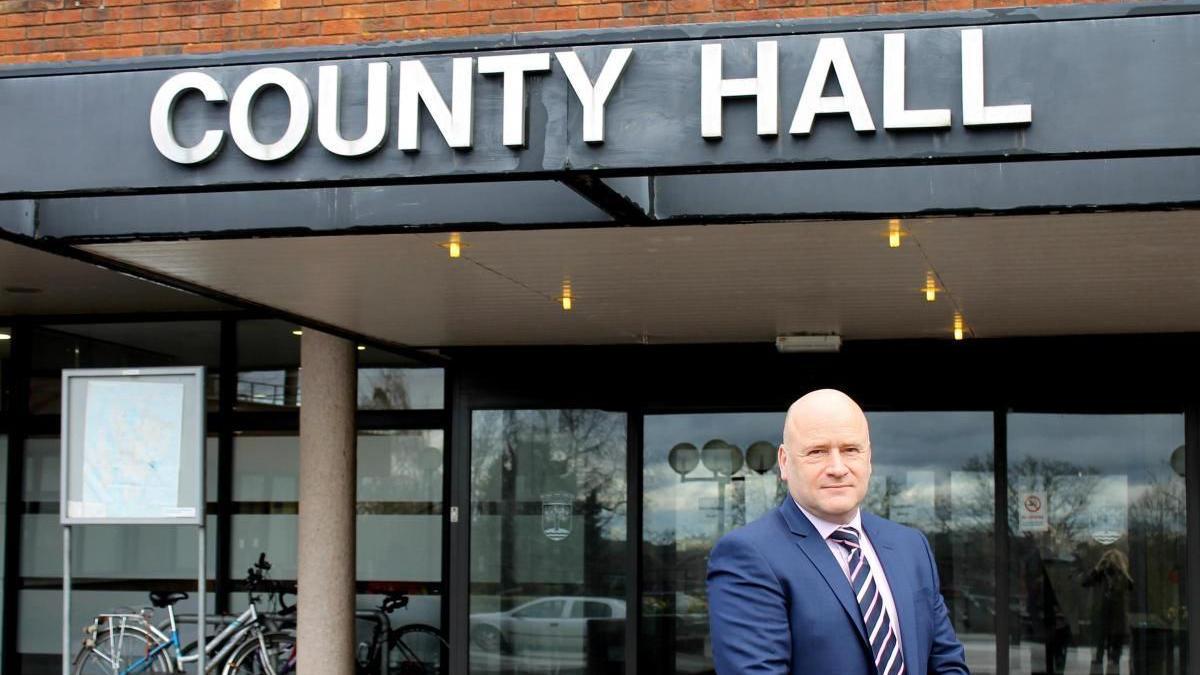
(380, 618)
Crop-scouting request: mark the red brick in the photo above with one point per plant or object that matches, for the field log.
(803, 12)
(855, 9)
(644, 8)
(138, 39)
(282, 16)
(7, 34)
(902, 7)
(533, 3)
(162, 50)
(178, 36)
(467, 18)
(366, 11)
(259, 32)
(31, 19)
(757, 15)
(425, 21)
(724, 5)
(200, 21)
(166, 23)
(685, 6)
(445, 6)
(299, 29)
(490, 4)
(341, 27)
(139, 12)
(605, 11)
(241, 19)
(218, 34)
(385, 25)
(51, 31)
(99, 14)
(947, 5)
(285, 4)
(97, 42)
(555, 14)
(84, 29)
(63, 16)
(321, 14)
(502, 16)
(255, 5)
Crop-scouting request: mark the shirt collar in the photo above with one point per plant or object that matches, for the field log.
(826, 528)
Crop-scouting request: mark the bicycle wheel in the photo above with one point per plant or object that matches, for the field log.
(115, 651)
(251, 658)
(416, 649)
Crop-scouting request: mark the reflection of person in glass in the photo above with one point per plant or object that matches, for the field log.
(818, 585)
(1111, 582)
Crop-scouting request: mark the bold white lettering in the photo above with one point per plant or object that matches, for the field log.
(975, 112)
(328, 112)
(454, 122)
(162, 126)
(593, 97)
(514, 67)
(764, 87)
(895, 116)
(831, 54)
(298, 120)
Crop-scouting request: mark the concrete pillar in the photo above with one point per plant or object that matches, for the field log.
(325, 583)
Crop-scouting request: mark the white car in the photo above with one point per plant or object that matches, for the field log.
(553, 628)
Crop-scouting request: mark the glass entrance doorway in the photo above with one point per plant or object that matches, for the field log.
(548, 541)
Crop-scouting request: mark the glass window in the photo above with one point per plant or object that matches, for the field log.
(589, 609)
(116, 345)
(268, 365)
(266, 477)
(548, 526)
(705, 474)
(120, 556)
(3, 521)
(1097, 532)
(388, 381)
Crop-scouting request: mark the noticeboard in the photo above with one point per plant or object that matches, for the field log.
(133, 446)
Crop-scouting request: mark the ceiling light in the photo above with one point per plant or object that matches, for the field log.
(297, 332)
(567, 298)
(930, 288)
(454, 245)
(958, 326)
(362, 348)
(5, 336)
(894, 233)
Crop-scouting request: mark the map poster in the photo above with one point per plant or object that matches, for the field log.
(132, 441)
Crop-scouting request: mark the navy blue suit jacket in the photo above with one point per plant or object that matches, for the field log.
(779, 603)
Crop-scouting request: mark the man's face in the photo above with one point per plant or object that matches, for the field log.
(826, 459)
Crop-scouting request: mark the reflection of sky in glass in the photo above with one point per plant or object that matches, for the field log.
(917, 450)
(1136, 445)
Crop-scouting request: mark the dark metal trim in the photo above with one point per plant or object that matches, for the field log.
(1191, 579)
(1000, 535)
(449, 464)
(19, 361)
(601, 195)
(224, 428)
(633, 547)
(567, 38)
(459, 541)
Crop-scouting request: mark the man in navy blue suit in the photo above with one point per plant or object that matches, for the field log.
(818, 586)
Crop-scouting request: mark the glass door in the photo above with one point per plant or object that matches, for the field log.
(548, 541)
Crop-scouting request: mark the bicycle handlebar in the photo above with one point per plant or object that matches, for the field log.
(392, 602)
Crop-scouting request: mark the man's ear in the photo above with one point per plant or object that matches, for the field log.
(781, 462)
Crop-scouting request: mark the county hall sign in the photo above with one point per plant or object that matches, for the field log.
(831, 87)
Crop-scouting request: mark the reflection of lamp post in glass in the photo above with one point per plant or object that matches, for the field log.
(724, 460)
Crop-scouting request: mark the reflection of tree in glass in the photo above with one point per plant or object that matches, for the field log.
(1068, 489)
(382, 389)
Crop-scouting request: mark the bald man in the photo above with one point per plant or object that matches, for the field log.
(818, 586)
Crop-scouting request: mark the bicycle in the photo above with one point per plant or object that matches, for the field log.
(412, 649)
(124, 643)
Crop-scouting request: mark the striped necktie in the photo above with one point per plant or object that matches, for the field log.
(880, 633)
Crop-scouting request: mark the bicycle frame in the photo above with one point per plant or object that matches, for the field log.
(231, 636)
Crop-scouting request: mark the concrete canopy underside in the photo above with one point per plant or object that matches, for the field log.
(1008, 275)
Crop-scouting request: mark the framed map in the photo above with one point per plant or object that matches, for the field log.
(132, 446)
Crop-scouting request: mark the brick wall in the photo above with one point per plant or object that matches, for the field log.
(71, 30)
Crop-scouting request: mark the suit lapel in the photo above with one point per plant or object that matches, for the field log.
(897, 567)
(813, 546)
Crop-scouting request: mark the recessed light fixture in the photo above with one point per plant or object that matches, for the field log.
(894, 233)
(454, 245)
(5, 336)
(568, 297)
(297, 332)
(930, 287)
(958, 326)
(362, 348)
